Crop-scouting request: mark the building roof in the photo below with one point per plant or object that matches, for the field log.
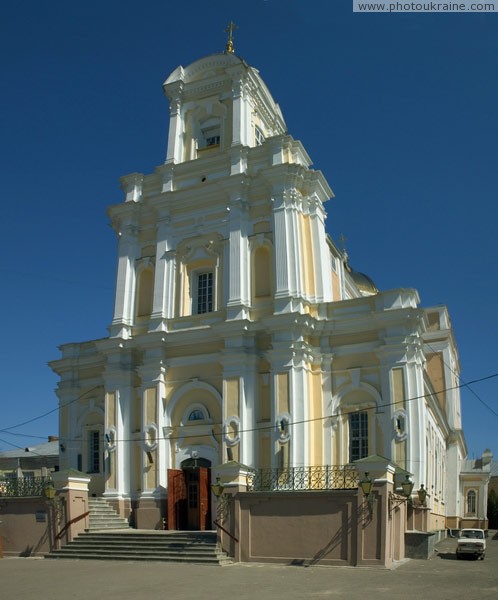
(494, 468)
(46, 449)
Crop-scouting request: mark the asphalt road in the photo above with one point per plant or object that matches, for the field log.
(442, 578)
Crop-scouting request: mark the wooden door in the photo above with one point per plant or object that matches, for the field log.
(177, 499)
(193, 499)
(204, 499)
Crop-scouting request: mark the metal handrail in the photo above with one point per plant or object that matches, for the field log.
(227, 532)
(69, 523)
(314, 478)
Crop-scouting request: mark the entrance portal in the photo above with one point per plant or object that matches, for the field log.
(189, 498)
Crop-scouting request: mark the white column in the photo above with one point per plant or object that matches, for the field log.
(249, 396)
(287, 262)
(128, 252)
(298, 391)
(118, 379)
(164, 282)
(239, 259)
(240, 113)
(175, 137)
(321, 254)
(327, 458)
(152, 373)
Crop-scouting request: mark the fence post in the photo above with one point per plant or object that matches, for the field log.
(72, 489)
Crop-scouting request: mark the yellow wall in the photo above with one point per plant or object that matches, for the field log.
(282, 386)
(435, 370)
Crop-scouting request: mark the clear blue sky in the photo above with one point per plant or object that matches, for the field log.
(399, 111)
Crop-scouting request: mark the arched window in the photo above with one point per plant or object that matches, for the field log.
(196, 415)
(471, 502)
(145, 291)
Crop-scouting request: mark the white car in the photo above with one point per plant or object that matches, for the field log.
(471, 542)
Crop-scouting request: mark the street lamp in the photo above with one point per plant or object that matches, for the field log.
(49, 490)
(396, 499)
(366, 485)
(217, 488)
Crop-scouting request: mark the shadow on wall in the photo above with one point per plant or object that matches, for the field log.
(362, 517)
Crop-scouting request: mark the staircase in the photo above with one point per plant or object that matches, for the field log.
(103, 516)
(109, 537)
(133, 544)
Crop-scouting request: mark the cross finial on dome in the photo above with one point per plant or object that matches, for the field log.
(229, 47)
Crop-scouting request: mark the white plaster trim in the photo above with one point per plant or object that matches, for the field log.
(151, 434)
(232, 421)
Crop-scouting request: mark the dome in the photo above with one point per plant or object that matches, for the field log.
(363, 282)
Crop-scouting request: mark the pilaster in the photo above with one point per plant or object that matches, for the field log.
(175, 140)
(239, 259)
(164, 282)
(128, 252)
(119, 380)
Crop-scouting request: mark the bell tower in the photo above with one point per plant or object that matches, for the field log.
(219, 103)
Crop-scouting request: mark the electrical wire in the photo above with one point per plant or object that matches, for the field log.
(271, 426)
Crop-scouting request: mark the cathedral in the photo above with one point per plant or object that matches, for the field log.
(242, 333)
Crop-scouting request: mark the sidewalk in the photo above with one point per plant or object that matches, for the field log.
(442, 577)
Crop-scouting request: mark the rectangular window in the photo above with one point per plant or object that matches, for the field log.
(471, 503)
(358, 436)
(204, 293)
(93, 452)
(259, 136)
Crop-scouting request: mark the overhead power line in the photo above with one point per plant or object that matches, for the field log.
(271, 426)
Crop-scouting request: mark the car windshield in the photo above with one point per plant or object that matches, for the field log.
(472, 533)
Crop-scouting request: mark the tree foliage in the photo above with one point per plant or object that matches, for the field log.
(493, 510)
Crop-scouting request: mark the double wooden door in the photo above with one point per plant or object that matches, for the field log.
(189, 498)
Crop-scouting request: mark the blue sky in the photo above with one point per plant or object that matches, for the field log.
(399, 111)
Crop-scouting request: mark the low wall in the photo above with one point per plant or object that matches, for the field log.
(26, 526)
(335, 527)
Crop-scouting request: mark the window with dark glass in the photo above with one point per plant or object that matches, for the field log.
(93, 452)
(204, 293)
(358, 436)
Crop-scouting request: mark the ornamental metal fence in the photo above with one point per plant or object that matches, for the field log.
(23, 487)
(303, 479)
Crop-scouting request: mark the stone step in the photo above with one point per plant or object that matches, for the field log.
(103, 516)
(145, 542)
(197, 547)
(131, 551)
(155, 558)
(174, 546)
(207, 538)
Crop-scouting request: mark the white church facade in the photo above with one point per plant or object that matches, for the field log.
(240, 331)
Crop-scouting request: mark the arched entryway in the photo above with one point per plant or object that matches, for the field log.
(189, 495)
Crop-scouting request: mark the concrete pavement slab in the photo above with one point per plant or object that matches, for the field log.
(441, 577)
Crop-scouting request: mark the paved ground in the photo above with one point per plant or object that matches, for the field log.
(441, 578)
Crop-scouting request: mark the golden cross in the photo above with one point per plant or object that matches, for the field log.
(229, 30)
